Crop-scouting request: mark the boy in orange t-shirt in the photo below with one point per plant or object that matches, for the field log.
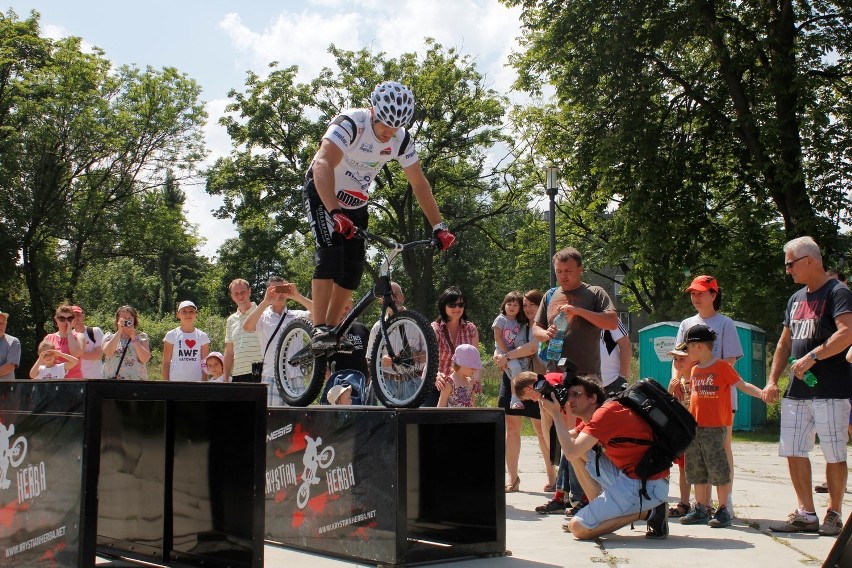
(710, 404)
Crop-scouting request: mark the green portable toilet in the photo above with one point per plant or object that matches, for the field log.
(654, 342)
(658, 339)
(751, 412)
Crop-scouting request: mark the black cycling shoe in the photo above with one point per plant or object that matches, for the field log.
(658, 524)
(323, 339)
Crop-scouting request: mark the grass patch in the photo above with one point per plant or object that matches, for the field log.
(768, 433)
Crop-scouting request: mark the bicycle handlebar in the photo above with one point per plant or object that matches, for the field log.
(367, 235)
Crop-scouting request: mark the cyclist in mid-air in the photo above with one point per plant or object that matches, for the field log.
(354, 148)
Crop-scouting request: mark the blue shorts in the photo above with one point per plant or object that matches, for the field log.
(619, 495)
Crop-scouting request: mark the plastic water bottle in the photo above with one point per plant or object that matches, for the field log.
(554, 347)
(809, 378)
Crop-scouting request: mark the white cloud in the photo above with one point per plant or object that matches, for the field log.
(483, 29)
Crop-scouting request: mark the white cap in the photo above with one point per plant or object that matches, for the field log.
(335, 392)
(186, 304)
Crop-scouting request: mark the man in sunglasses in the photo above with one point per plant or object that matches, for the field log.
(354, 149)
(817, 332)
(605, 466)
(66, 339)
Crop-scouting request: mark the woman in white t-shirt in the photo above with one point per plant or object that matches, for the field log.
(185, 347)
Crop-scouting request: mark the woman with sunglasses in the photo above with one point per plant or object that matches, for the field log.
(66, 340)
(452, 328)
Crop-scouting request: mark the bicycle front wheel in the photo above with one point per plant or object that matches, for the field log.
(298, 373)
(402, 381)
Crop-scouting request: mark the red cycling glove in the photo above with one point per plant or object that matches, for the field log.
(443, 238)
(342, 223)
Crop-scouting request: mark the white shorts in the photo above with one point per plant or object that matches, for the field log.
(801, 420)
(619, 495)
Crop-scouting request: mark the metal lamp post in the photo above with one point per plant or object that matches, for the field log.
(552, 177)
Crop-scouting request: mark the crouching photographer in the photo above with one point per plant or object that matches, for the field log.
(531, 386)
(617, 496)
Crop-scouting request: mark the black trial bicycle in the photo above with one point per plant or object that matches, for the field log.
(404, 359)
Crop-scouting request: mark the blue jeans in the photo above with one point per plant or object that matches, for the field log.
(567, 481)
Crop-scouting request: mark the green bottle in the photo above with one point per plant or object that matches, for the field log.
(809, 378)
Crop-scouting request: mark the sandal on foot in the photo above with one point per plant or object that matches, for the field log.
(515, 486)
(549, 487)
(679, 510)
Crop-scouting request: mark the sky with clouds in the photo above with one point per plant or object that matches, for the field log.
(216, 41)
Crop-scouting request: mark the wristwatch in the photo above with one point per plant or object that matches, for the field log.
(813, 356)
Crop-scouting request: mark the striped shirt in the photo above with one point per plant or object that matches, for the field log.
(247, 348)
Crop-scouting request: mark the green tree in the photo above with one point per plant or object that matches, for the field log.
(84, 139)
(693, 136)
(276, 126)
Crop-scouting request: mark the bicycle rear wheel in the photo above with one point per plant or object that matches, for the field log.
(404, 380)
(300, 381)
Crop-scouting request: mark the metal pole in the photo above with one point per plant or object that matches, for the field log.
(552, 184)
(551, 192)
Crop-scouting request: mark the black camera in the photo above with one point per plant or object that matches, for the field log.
(127, 323)
(545, 389)
(561, 390)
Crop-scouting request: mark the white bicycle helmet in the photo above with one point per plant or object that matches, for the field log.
(392, 103)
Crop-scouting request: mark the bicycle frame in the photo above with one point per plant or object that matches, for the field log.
(382, 287)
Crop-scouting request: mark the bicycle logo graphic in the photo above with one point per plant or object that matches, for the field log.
(11, 454)
(312, 460)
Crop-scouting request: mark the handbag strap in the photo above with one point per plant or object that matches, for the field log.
(271, 337)
(121, 359)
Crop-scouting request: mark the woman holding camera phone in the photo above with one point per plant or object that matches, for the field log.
(126, 351)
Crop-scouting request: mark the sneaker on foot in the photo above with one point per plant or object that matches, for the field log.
(551, 507)
(697, 516)
(323, 338)
(721, 519)
(831, 525)
(658, 524)
(797, 522)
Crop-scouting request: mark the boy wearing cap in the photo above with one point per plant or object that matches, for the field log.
(710, 404)
(457, 389)
(679, 388)
(10, 351)
(185, 347)
(340, 395)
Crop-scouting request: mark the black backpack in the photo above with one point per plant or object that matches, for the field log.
(672, 424)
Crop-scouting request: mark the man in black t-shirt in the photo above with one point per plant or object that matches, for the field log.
(817, 332)
(359, 336)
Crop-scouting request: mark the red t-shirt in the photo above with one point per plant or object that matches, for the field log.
(710, 400)
(61, 343)
(614, 420)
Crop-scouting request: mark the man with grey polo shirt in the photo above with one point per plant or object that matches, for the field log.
(817, 331)
(241, 348)
(10, 351)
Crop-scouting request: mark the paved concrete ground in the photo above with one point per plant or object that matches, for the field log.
(762, 495)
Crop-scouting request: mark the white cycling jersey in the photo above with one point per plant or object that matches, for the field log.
(364, 155)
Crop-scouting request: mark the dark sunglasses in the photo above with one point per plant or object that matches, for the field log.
(455, 304)
(65, 318)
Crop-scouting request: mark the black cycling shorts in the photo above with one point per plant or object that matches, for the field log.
(336, 258)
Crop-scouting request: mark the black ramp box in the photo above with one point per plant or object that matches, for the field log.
(162, 472)
(391, 486)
